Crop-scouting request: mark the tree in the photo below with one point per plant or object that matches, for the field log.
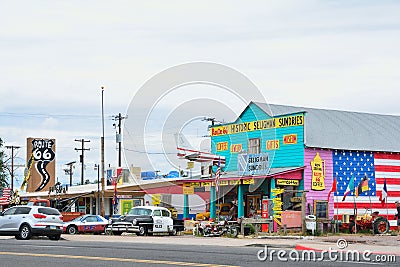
(3, 169)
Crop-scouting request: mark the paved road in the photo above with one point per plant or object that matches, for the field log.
(46, 253)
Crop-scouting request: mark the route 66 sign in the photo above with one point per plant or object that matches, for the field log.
(42, 171)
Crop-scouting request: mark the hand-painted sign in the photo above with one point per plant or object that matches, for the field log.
(41, 154)
(318, 173)
(222, 146)
(253, 164)
(277, 205)
(290, 139)
(236, 148)
(272, 144)
(188, 190)
(287, 182)
(248, 181)
(281, 122)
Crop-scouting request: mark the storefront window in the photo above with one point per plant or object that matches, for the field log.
(254, 146)
(321, 209)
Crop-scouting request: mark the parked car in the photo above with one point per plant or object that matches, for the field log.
(24, 221)
(146, 220)
(85, 224)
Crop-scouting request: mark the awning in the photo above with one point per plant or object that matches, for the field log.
(294, 173)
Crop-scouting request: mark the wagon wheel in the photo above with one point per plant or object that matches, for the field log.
(381, 225)
(353, 228)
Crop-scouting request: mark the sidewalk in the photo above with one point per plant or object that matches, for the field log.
(376, 244)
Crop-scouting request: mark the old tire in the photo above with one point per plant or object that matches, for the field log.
(72, 230)
(381, 225)
(353, 228)
(25, 232)
(55, 237)
(142, 230)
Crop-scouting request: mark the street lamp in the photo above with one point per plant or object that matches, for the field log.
(97, 167)
(102, 153)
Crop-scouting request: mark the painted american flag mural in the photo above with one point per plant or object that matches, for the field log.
(377, 166)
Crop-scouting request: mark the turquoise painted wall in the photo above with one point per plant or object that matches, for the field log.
(289, 155)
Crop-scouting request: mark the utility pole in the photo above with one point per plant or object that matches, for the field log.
(82, 157)
(102, 211)
(12, 164)
(71, 165)
(119, 119)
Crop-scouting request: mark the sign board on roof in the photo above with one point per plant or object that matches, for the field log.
(281, 122)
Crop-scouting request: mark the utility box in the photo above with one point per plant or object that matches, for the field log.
(311, 223)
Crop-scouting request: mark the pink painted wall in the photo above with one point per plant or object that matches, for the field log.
(326, 155)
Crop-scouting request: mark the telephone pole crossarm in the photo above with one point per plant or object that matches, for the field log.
(82, 157)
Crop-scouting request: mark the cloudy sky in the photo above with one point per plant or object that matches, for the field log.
(55, 55)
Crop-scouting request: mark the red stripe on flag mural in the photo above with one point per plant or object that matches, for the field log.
(387, 168)
(362, 206)
(387, 156)
(391, 181)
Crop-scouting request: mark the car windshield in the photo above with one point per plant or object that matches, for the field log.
(140, 211)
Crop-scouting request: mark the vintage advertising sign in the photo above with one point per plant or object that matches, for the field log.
(188, 190)
(287, 182)
(222, 146)
(272, 144)
(318, 173)
(41, 154)
(290, 139)
(236, 148)
(277, 205)
(280, 122)
(253, 164)
(234, 182)
(248, 181)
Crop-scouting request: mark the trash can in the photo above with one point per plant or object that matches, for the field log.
(311, 223)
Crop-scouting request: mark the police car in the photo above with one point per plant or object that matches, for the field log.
(145, 220)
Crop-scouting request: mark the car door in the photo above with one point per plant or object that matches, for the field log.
(7, 220)
(89, 224)
(167, 220)
(20, 216)
(158, 224)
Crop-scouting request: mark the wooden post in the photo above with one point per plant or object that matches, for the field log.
(303, 213)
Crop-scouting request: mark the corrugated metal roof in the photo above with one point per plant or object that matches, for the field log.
(347, 130)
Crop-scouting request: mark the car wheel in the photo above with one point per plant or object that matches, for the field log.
(142, 230)
(72, 230)
(55, 237)
(173, 232)
(25, 232)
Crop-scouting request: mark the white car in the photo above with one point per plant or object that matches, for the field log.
(23, 222)
(146, 220)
